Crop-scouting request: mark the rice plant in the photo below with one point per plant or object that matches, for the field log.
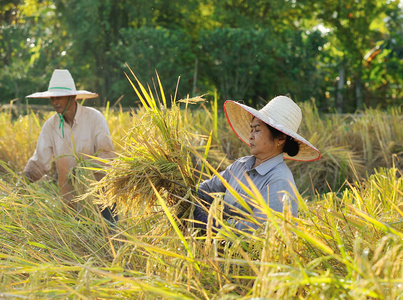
(338, 248)
(345, 244)
(155, 153)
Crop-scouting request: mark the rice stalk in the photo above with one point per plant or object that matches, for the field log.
(345, 244)
(276, 261)
(156, 151)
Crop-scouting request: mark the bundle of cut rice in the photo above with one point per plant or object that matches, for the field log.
(156, 157)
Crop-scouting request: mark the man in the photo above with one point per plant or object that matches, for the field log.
(73, 131)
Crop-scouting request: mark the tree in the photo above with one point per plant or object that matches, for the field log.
(351, 33)
(93, 28)
(148, 50)
(31, 44)
(232, 57)
(248, 50)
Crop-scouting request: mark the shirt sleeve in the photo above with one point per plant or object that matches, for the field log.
(277, 190)
(39, 164)
(213, 185)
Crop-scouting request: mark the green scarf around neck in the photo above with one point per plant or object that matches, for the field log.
(61, 116)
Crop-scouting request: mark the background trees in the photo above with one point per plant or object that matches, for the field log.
(343, 55)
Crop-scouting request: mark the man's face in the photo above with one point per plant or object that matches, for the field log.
(59, 103)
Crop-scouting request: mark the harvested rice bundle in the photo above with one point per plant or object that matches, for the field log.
(156, 152)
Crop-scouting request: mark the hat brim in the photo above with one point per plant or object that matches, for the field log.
(239, 117)
(81, 94)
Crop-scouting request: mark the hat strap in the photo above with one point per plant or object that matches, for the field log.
(61, 125)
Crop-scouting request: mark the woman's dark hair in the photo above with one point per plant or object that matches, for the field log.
(291, 146)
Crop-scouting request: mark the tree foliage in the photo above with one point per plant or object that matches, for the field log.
(343, 55)
(150, 50)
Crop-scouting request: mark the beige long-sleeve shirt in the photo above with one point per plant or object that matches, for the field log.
(90, 136)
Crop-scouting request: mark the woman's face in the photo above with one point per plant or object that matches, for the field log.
(262, 144)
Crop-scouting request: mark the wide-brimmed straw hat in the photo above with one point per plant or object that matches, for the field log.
(62, 84)
(281, 113)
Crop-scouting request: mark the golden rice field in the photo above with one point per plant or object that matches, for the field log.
(346, 244)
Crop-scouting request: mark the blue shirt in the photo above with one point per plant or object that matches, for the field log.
(272, 178)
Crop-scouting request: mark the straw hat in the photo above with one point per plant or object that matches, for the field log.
(62, 84)
(281, 113)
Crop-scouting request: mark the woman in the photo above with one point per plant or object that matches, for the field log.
(271, 134)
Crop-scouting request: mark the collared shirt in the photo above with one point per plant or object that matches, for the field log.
(89, 135)
(272, 178)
